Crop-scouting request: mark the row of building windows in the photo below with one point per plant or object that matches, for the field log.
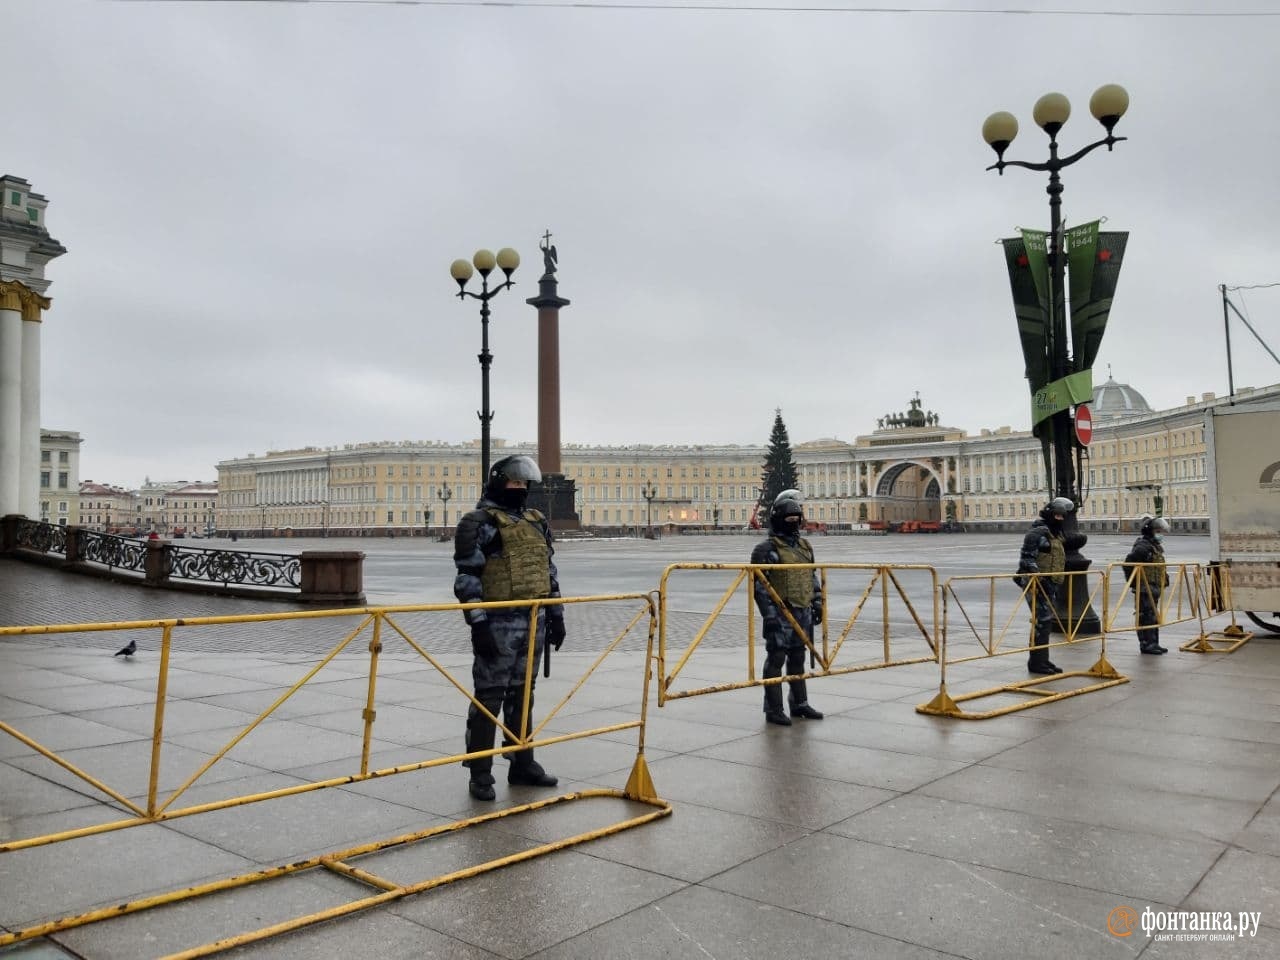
(1102, 507)
(642, 473)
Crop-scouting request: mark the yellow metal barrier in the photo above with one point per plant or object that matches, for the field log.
(979, 614)
(869, 587)
(378, 624)
(1213, 585)
(1185, 597)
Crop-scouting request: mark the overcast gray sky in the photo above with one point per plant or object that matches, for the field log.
(753, 208)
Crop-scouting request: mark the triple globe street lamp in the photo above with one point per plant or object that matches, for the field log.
(484, 261)
(445, 494)
(1051, 112)
(649, 491)
(1108, 104)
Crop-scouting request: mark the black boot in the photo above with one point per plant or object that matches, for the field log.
(799, 702)
(1038, 661)
(1149, 639)
(805, 712)
(773, 712)
(481, 732)
(524, 770)
(481, 785)
(1043, 666)
(527, 772)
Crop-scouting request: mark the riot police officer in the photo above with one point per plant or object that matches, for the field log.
(801, 591)
(1149, 581)
(503, 551)
(1044, 551)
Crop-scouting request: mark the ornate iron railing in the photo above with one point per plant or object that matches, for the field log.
(234, 566)
(243, 568)
(113, 552)
(41, 537)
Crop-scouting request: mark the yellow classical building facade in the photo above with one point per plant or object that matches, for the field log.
(909, 468)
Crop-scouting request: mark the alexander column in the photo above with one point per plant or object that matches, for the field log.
(555, 495)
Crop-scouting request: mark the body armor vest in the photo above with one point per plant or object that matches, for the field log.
(1054, 560)
(795, 587)
(1155, 574)
(523, 570)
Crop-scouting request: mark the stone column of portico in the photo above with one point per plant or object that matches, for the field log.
(10, 398)
(556, 494)
(20, 398)
(29, 442)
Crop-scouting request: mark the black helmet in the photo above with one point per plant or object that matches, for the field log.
(511, 468)
(1154, 525)
(788, 503)
(1057, 505)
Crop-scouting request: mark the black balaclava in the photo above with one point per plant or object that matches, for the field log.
(512, 498)
(787, 524)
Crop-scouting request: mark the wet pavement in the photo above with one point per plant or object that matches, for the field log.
(876, 832)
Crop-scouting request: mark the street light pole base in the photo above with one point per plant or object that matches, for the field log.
(1081, 617)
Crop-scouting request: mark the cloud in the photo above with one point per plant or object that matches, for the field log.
(753, 210)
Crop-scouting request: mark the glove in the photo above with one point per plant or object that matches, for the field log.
(555, 633)
(772, 629)
(816, 610)
(483, 644)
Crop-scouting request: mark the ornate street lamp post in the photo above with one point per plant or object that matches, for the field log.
(1051, 111)
(506, 260)
(715, 516)
(445, 494)
(649, 491)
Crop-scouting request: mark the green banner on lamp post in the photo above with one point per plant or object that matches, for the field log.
(1030, 309)
(1061, 395)
(1037, 244)
(1082, 248)
(1095, 272)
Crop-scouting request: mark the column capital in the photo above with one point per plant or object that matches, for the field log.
(15, 295)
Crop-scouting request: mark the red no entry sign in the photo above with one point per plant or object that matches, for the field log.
(1084, 425)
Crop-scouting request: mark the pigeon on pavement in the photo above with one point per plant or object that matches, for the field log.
(127, 651)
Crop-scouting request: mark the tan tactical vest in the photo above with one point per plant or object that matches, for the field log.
(1054, 560)
(795, 587)
(1154, 574)
(523, 570)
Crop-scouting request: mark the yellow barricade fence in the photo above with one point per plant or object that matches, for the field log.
(631, 613)
(1216, 587)
(1186, 594)
(863, 606)
(987, 616)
